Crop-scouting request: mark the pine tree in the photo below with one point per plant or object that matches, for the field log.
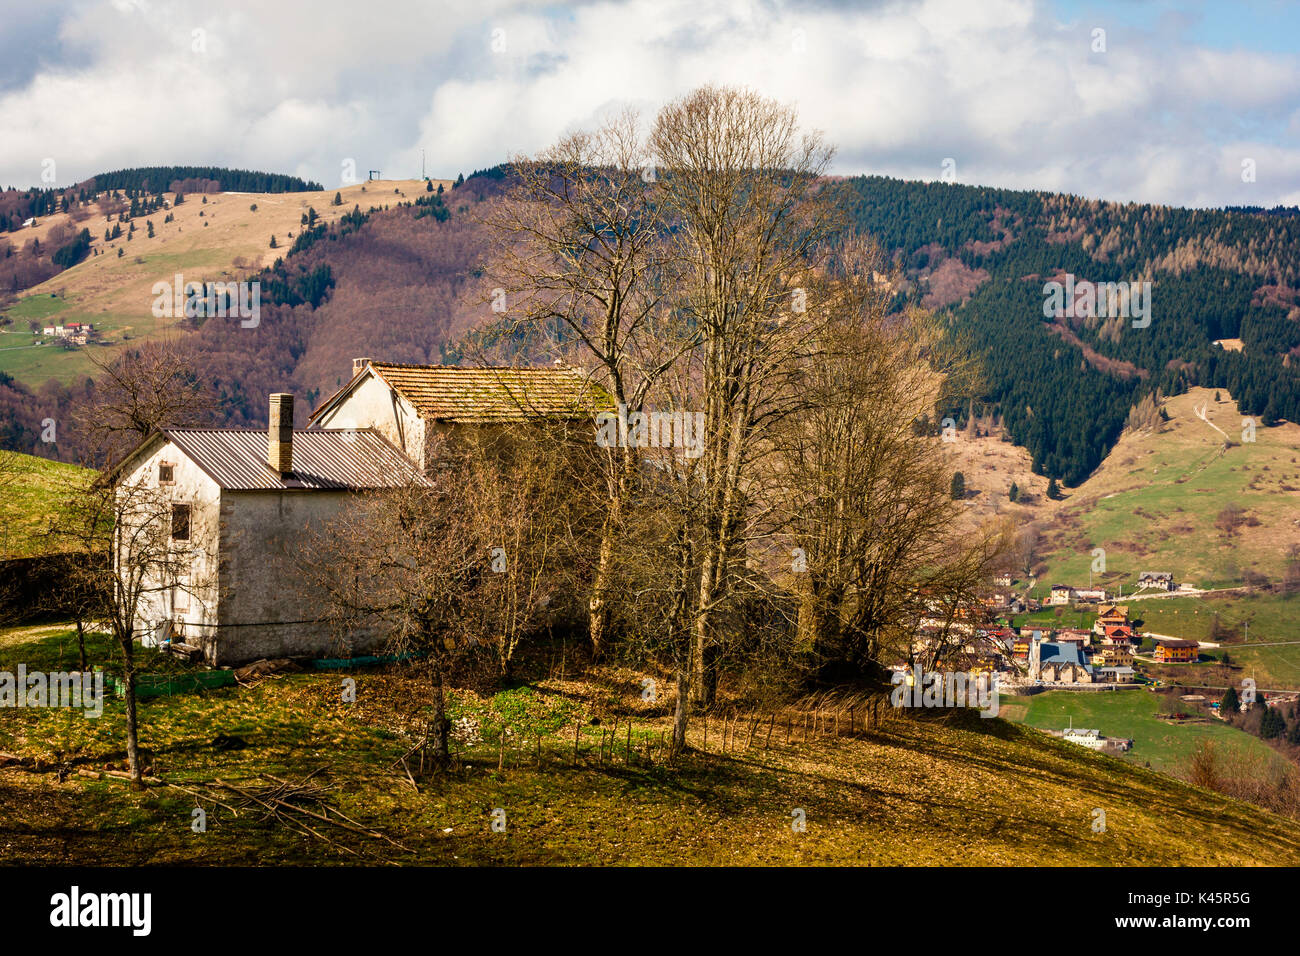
(273, 242)
(1229, 703)
(1293, 736)
(1272, 724)
(338, 199)
(958, 486)
(1053, 490)
(1014, 493)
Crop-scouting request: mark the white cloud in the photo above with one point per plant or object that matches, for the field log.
(1017, 97)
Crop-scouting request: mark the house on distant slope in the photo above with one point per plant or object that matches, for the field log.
(1109, 617)
(1170, 651)
(1160, 580)
(409, 404)
(241, 506)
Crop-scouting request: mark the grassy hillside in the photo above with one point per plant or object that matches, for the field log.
(1130, 713)
(31, 493)
(1153, 503)
(221, 240)
(1267, 650)
(956, 791)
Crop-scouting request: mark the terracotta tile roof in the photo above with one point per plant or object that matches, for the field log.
(482, 395)
(323, 459)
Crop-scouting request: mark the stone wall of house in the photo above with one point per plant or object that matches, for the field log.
(188, 600)
(372, 404)
(270, 606)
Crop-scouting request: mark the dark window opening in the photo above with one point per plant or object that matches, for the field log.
(165, 474)
(180, 522)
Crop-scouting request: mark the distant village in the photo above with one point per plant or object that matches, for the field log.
(1032, 658)
(1034, 655)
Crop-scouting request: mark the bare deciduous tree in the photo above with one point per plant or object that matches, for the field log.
(139, 390)
(743, 196)
(125, 526)
(138, 554)
(400, 562)
(579, 253)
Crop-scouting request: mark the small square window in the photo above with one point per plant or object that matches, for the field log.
(166, 473)
(180, 522)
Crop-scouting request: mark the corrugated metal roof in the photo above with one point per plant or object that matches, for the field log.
(323, 459)
(483, 395)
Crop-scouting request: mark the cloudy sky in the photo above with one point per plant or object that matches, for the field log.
(1128, 100)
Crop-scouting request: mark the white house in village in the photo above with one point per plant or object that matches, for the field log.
(1160, 580)
(1060, 594)
(409, 404)
(241, 506)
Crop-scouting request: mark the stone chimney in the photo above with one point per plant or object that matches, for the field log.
(358, 364)
(279, 449)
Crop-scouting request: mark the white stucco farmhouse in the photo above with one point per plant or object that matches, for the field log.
(242, 505)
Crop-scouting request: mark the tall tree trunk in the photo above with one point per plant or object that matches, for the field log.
(132, 724)
(598, 606)
(810, 626)
(441, 725)
(681, 642)
(682, 713)
(703, 672)
(81, 643)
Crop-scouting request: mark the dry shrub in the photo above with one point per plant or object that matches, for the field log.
(1258, 778)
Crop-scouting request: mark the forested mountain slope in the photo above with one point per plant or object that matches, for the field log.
(1063, 387)
(395, 283)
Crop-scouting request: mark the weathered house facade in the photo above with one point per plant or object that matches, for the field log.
(246, 508)
(243, 507)
(411, 404)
